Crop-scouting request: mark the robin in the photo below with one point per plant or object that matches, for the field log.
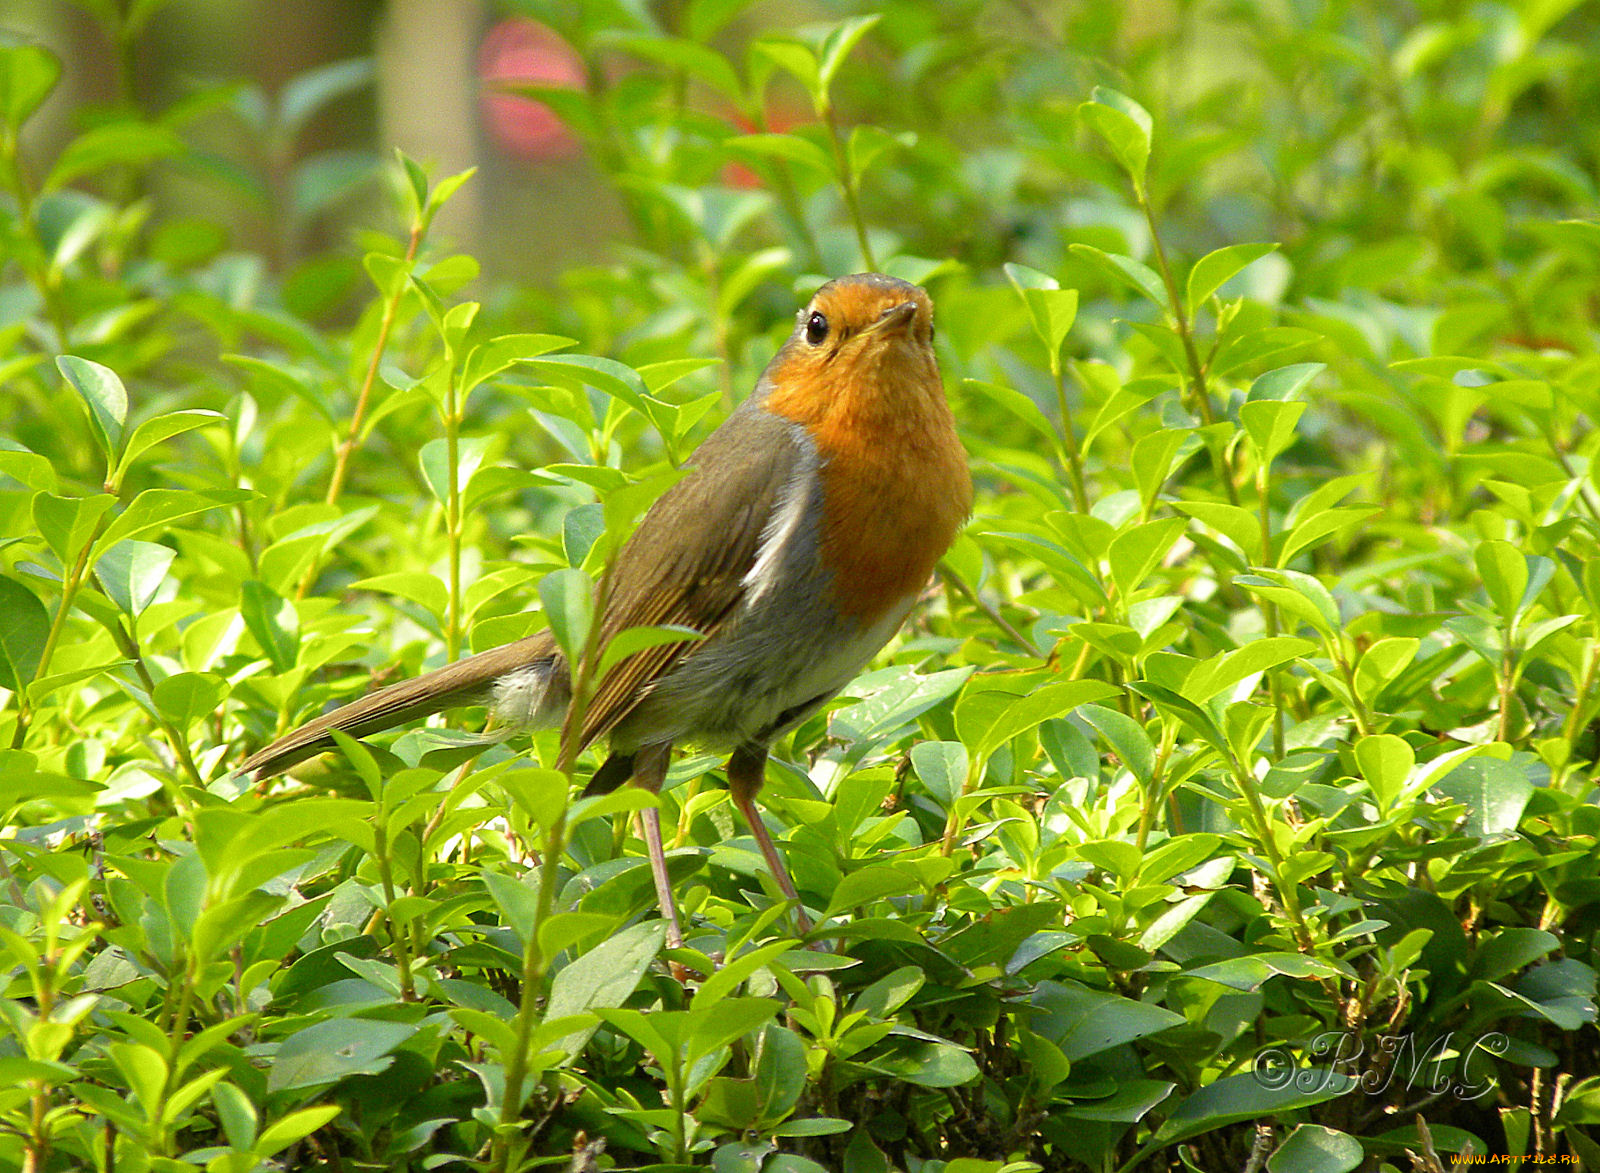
(799, 539)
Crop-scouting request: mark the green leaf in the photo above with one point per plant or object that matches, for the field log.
(308, 92)
(1084, 1022)
(1300, 595)
(145, 1071)
(327, 1052)
(188, 697)
(1221, 672)
(540, 793)
(868, 143)
(28, 73)
(733, 973)
(1506, 575)
(1154, 458)
(568, 599)
(1118, 398)
(603, 978)
(1017, 404)
(1124, 125)
(1214, 269)
(390, 274)
(422, 589)
(272, 621)
(1385, 761)
(1249, 1097)
(435, 461)
(1270, 425)
(1250, 972)
(22, 635)
(1138, 550)
(798, 58)
(603, 374)
(707, 17)
(131, 572)
(1284, 383)
(1126, 271)
(1494, 792)
(791, 148)
(1175, 704)
(988, 732)
(154, 510)
(517, 901)
(753, 270)
(942, 767)
(282, 1133)
(68, 523)
(837, 44)
(1512, 949)
(110, 145)
(162, 427)
(31, 469)
(636, 639)
(1178, 855)
(1313, 529)
(728, 1019)
(445, 188)
(102, 392)
(871, 883)
(935, 1064)
(1126, 737)
(893, 706)
(1051, 308)
(499, 354)
(700, 62)
(1315, 1148)
(236, 1114)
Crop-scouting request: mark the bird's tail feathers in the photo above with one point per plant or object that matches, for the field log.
(524, 682)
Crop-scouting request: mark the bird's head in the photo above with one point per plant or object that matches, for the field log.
(861, 342)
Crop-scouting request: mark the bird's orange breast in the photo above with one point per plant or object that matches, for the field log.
(895, 485)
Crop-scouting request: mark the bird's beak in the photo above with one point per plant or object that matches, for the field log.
(896, 317)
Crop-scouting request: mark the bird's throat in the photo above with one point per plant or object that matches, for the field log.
(896, 489)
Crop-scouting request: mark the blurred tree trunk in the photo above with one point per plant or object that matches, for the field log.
(437, 123)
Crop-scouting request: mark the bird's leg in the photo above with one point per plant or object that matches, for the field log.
(747, 769)
(649, 772)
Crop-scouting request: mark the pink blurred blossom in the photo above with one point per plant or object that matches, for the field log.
(522, 50)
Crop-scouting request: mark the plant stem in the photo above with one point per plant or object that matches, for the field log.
(534, 964)
(1070, 439)
(69, 592)
(960, 585)
(347, 447)
(789, 199)
(1185, 329)
(534, 961)
(1576, 721)
(847, 184)
(1269, 610)
(398, 935)
(127, 643)
(1507, 685)
(1287, 894)
(14, 177)
(1358, 709)
(452, 517)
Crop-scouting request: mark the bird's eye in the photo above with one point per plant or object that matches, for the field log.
(816, 329)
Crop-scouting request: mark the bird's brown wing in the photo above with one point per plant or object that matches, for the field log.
(687, 562)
